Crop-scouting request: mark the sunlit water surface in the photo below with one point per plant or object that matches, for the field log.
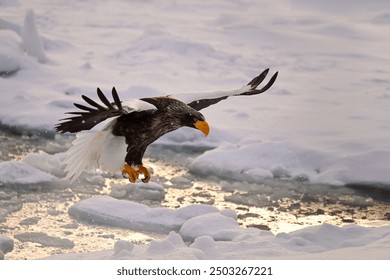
(275, 205)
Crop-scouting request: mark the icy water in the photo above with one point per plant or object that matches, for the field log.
(36, 216)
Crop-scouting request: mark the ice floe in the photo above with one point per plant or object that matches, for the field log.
(16, 172)
(132, 215)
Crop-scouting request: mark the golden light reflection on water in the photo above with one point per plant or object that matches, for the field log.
(181, 189)
(198, 191)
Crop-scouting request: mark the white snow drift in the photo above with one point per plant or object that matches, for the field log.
(215, 234)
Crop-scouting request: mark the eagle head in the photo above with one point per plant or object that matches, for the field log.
(179, 114)
(196, 120)
(188, 116)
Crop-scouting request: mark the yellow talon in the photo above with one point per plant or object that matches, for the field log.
(130, 173)
(142, 169)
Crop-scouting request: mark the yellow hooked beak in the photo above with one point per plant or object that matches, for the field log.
(203, 126)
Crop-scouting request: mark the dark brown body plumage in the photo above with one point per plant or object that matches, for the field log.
(140, 128)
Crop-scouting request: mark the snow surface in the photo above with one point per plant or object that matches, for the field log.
(330, 101)
(134, 215)
(215, 234)
(326, 119)
(14, 172)
(256, 161)
(6, 245)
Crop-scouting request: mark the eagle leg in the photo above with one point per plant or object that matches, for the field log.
(130, 173)
(142, 169)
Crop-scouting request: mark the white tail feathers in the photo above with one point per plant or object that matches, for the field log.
(93, 150)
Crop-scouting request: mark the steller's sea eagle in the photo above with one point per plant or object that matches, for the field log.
(121, 144)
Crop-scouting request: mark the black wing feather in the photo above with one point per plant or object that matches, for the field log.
(92, 103)
(117, 101)
(91, 116)
(103, 98)
(254, 91)
(83, 107)
(254, 83)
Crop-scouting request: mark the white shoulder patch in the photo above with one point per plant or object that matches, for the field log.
(138, 105)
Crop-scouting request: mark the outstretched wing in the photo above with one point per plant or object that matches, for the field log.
(91, 116)
(250, 89)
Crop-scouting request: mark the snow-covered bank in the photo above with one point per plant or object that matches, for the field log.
(257, 161)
